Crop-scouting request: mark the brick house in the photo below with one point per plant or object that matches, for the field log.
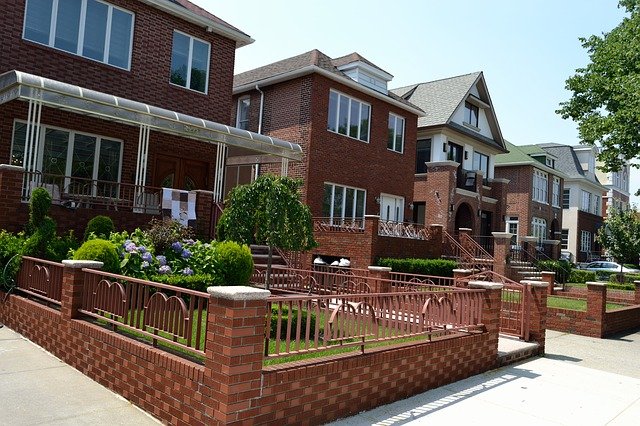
(581, 199)
(358, 141)
(103, 103)
(617, 188)
(458, 139)
(534, 198)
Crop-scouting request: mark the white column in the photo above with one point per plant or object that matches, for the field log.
(218, 180)
(31, 146)
(284, 170)
(141, 164)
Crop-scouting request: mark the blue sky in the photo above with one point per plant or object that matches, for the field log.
(525, 49)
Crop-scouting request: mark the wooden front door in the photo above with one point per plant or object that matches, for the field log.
(180, 173)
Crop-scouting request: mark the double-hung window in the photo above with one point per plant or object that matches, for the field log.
(395, 139)
(423, 155)
(91, 28)
(348, 116)
(471, 114)
(190, 62)
(555, 195)
(566, 198)
(242, 117)
(539, 228)
(585, 241)
(596, 208)
(540, 186)
(343, 203)
(481, 163)
(585, 204)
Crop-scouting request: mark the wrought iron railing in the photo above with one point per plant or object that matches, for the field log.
(336, 224)
(162, 313)
(41, 279)
(302, 324)
(414, 282)
(453, 249)
(74, 192)
(472, 246)
(403, 230)
(486, 242)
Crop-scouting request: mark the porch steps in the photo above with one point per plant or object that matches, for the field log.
(260, 256)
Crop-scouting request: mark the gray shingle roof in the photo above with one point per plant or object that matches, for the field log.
(311, 58)
(438, 99)
(567, 162)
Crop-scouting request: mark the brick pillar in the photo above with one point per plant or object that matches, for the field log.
(529, 245)
(11, 197)
(72, 285)
(597, 306)
(636, 299)
(537, 296)
(491, 305)
(205, 213)
(369, 253)
(464, 237)
(234, 350)
(458, 274)
(555, 249)
(501, 251)
(435, 230)
(550, 279)
(380, 279)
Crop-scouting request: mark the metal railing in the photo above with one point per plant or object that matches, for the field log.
(452, 248)
(159, 312)
(325, 280)
(414, 282)
(476, 250)
(302, 324)
(41, 279)
(74, 192)
(403, 230)
(486, 242)
(336, 224)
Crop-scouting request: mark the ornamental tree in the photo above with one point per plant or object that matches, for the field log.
(605, 102)
(620, 235)
(268, 211)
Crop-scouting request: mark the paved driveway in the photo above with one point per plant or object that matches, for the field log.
(581, 381)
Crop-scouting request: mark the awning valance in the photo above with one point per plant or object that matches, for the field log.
(52, 93)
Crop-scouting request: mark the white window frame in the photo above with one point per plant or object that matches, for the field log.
(596, 205)
(190, 63)
(555, 195)
(564, 239)
(540, 192)
(468, 108)
(243, 123)
(81, 28)
(566, 195)
(480, 156)
(70, 146)
(394, 121)
(585, 201)
(585, 241)
(337, 117)
(335, 220)
(539, 228)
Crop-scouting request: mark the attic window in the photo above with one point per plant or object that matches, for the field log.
(367, 75)
(550, 162)
(471, 114)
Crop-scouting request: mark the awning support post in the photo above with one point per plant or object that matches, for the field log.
(218, 180)
(32, 145)
(141, 163)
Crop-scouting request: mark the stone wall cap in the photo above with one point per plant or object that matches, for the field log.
(380, 268)
(10, 167)
(552, 242)
(465, 229)
(437, 224)
(77, 264)
(504, 235)
(530, 239)
(597, 283)
(442, 163)
(548, 273)
(636, 282)
(463, 271)
(238, 292)
(535, 283)
(372, 216)
(487, 285)
(500, 180)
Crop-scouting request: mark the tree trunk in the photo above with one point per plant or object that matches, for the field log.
(267, 278)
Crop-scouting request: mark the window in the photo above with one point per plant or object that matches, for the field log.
(190, 62)
(566, 198)
(242, 116)
(395, 139)
(550, 162)
(512, 225)
(555, 194)
(391, 208)
(564, 243)
(423, 155)
(585, 204)
(471, 114)
(540, 186)
(585, 241)
(455, 152)
(539, 228)
(72, 154)
(481, 162)
(89, 28)
(348, 116)
(597, 207)
(342, 203)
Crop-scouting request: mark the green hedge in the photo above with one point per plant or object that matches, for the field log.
(436, 267)
(562, 268)
(580, 276)
(285, 318)
(198, 282)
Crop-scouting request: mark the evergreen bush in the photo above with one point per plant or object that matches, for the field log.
(435, 267)
(101, 250)
(101, 226)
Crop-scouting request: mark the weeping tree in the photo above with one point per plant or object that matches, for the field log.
(268, 212)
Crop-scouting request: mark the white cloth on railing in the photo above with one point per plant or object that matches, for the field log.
(179, 205)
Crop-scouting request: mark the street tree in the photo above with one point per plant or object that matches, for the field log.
(268, 211)
(605, 102)
(620, 235)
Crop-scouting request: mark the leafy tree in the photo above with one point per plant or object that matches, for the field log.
(620, 235)
(268, 211)
(605, 101)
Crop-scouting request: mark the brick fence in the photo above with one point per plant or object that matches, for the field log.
(596, 321)
(233, 386)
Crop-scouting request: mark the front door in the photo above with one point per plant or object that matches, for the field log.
(180, 173)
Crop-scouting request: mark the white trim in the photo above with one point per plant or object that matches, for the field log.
(240, 100)
(337, 118)
(190, 63)
(397, 117)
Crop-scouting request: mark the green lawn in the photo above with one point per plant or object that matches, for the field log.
(575, 304)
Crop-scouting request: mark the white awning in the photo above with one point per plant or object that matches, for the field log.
(52, 93)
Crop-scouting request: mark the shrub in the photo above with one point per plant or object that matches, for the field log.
(101, 226)
(163, 233)
(435, 267)
(198, 282)
(10, 246)
(37, 244)
(60, 248)
(286, 318)
(232, 263)
(100, 250)
(39, 206)
(562, 268)
(580, 276)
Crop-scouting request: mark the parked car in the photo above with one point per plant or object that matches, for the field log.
(607, 267)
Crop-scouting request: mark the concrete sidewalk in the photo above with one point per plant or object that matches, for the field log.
(37, 388)
(581, 381)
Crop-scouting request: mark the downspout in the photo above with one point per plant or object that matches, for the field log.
(257, 166)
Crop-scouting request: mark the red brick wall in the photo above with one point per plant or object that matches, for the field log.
(148, 79)
(587, 222)
(570, 321)
(622, 320)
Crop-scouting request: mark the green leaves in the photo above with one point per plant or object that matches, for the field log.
(620, 235)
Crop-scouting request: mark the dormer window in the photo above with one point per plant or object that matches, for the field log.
(367, 75)
(550, 162)
(471, 114)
